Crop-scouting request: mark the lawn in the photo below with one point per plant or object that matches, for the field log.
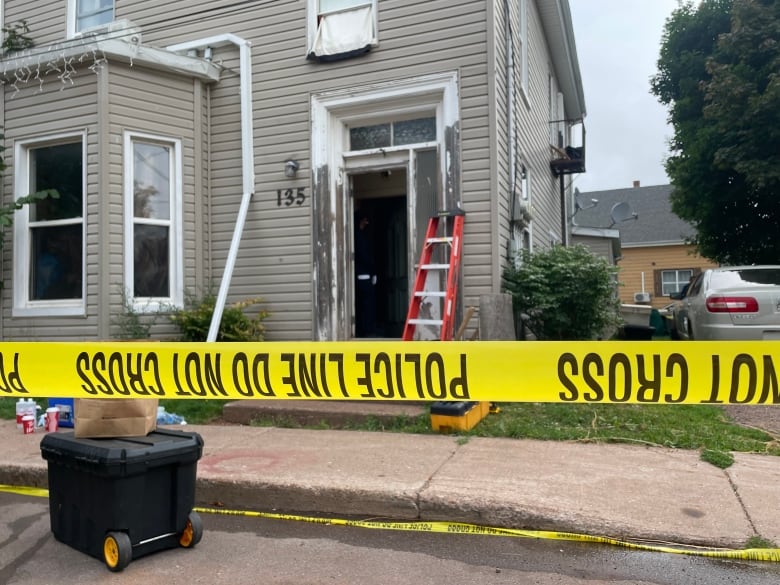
(698, 427)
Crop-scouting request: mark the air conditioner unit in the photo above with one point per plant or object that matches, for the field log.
(642, 297)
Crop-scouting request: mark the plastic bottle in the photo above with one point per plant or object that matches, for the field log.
(21, 410)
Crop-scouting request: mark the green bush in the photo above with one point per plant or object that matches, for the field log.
(194, 320)
(131, 323)
(564, 293)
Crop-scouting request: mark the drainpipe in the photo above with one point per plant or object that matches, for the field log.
(510, 100)
(247, 157)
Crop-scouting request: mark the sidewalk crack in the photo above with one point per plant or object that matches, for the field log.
(428, 481)
(741, 503)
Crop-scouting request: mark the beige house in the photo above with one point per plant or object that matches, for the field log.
(653, 256)
(231, 143)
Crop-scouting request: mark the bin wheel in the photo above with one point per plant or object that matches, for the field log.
(117, 550)
(193, 531)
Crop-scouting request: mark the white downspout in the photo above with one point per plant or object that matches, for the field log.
(247, 157)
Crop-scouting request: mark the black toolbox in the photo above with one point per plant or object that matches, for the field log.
(121, 498)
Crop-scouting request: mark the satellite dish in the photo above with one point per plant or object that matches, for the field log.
(622, 212)
(581, 202)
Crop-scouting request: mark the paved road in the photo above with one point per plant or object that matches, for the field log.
(240, 550)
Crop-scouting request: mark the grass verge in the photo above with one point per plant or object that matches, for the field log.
(697, 427)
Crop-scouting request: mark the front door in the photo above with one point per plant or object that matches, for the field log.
(380, 203)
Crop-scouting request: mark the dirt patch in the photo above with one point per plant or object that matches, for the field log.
(764, 417)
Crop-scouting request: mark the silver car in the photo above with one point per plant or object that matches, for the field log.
(731, 302)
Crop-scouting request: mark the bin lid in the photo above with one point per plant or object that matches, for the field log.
(122, 455)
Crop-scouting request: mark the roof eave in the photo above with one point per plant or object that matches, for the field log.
(559, 31)
(114, 49)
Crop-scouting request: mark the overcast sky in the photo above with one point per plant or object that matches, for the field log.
(618, 43)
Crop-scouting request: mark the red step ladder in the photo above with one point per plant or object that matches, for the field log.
(439, 263)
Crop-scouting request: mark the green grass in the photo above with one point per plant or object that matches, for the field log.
(695, 427)
(193, 411)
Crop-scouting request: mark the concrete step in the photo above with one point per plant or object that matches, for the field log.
(333, 413)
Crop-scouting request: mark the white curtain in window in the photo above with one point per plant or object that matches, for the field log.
(343, 33)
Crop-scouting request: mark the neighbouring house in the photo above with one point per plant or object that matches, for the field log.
(231, 143)
(654, 258)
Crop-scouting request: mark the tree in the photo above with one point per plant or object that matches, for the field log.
(564, 293)
(719, 74)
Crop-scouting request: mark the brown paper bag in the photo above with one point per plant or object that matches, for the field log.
(110, 417)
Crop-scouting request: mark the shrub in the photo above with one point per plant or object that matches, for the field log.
(194, 320)
(564, 293)
(132, 324)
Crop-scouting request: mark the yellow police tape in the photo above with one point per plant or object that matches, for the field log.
(753, 554)
(658, 372)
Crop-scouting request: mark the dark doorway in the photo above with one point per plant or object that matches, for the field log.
(388, 236)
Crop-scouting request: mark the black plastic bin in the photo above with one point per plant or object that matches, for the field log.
(118, 499)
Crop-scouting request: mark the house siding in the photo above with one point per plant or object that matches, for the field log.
(277, 250)
(276, 255)
(649, 259)
(532, 120)
(149, 102)
(37, 112)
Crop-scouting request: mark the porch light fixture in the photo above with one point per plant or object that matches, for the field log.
(291, 168)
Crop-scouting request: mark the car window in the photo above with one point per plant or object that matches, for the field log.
(745, 277)
(695, 287)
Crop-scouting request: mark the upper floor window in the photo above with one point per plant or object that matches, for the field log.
(86, 14)
(339, 29)
(49, 234)
(523, 40)
(153, 237)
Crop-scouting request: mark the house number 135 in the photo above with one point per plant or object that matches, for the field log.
(288, 197)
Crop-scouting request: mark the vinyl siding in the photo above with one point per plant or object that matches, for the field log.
(149, 102)
(532, 121)
(276, 254)
(37, 112)
(647, 260)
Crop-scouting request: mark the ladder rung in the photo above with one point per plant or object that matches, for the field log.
(439, 240)
(426, 321)
(430, 293)
(434, 267)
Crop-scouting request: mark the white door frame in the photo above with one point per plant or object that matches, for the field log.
(331, 113)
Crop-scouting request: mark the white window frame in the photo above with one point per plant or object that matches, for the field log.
(72, 24)
(175, 223)
(525, 183)
(23, 306)
(332, 113)
(314, 13)
(523, 40)
(679, 283)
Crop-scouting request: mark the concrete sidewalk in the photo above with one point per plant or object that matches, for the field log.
(623, 491)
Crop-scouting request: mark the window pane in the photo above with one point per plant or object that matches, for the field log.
(332, 5)
(414, 131)
(57, 167)
(673, 281)
(55, 271)
(151, 181)
(93, 13)
(151, 257)
(377, 136)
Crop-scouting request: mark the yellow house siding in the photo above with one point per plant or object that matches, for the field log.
(649, 259)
